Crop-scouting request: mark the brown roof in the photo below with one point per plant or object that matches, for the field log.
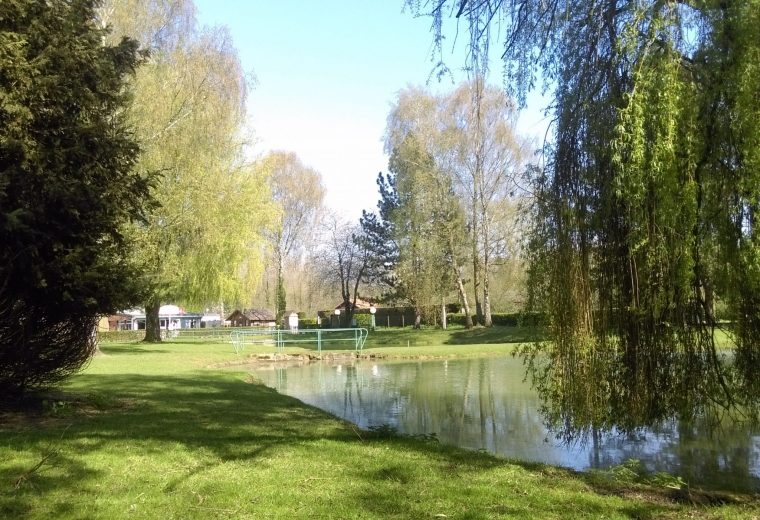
(119, 316)
(254, 314)
(360, 304)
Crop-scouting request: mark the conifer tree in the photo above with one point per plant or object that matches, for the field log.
(68, 185)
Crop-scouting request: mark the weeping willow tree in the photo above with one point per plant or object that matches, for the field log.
(644, 226)
(203, 243)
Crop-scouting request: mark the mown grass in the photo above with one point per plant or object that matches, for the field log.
(150, 432)
(454, 336)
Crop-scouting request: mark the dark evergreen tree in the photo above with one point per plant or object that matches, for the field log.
(378, 235)
(67, 186)
(281, 298)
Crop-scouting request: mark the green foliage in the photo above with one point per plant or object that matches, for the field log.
(204, 243)
(298, 193)
(363, 320)
(510, 319)
(378, 235)
(645, 214)
(633, 472)
(308, 323)
(454, 163)
(68, 185)
(424, 219)
(281, 302)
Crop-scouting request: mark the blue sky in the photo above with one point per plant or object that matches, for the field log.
(327, 73)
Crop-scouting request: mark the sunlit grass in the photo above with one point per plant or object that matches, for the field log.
(148, 432)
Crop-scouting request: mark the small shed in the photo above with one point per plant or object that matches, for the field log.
(252, 318)
(290, 320)
(384, 316)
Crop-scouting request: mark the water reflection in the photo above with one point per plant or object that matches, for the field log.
(485, 404)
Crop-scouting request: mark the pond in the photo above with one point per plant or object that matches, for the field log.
(485, 404)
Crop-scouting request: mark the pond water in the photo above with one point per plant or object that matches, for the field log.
(485, 404)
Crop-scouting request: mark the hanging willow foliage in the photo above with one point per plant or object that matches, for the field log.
(645, 217)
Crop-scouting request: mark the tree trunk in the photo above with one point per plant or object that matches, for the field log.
(709, 302)
(476, 263)
(152, 322)
(477, 194)
(462, 294)
(443, 315)
(465, 304)
(487, 321)
(476, 284)
(281, 304)
(95, 342)
(417, 317)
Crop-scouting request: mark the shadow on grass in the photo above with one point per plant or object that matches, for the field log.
(491, 335)
(219, 414)
(234, 420)
(454, 336)
(131, 348)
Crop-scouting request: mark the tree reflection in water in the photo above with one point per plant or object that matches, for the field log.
(486, 404)
(585, 387)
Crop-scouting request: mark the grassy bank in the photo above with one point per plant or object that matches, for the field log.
(150, 432)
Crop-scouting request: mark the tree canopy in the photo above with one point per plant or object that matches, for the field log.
(454, 161)
(345, 258)
(298, 192)
(204, 243)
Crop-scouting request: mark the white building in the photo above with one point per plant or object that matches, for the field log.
(170, 317)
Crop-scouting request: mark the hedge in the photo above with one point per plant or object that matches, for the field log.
(510, 319)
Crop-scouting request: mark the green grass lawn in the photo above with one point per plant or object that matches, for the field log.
(149, 431)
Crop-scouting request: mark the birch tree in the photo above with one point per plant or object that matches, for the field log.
(470, 136)
(298, 192)
(485, 157)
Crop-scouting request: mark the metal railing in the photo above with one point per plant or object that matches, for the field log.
(280, 337)
(214, 334)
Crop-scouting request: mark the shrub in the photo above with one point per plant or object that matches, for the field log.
(120, 336)
(508, 319)
(363, 320)
(307, 323)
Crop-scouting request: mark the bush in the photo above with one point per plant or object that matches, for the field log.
(455, 319)
(453, 308)
(120, 336)
(308, 323)
(507, 319)
(363, 320)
